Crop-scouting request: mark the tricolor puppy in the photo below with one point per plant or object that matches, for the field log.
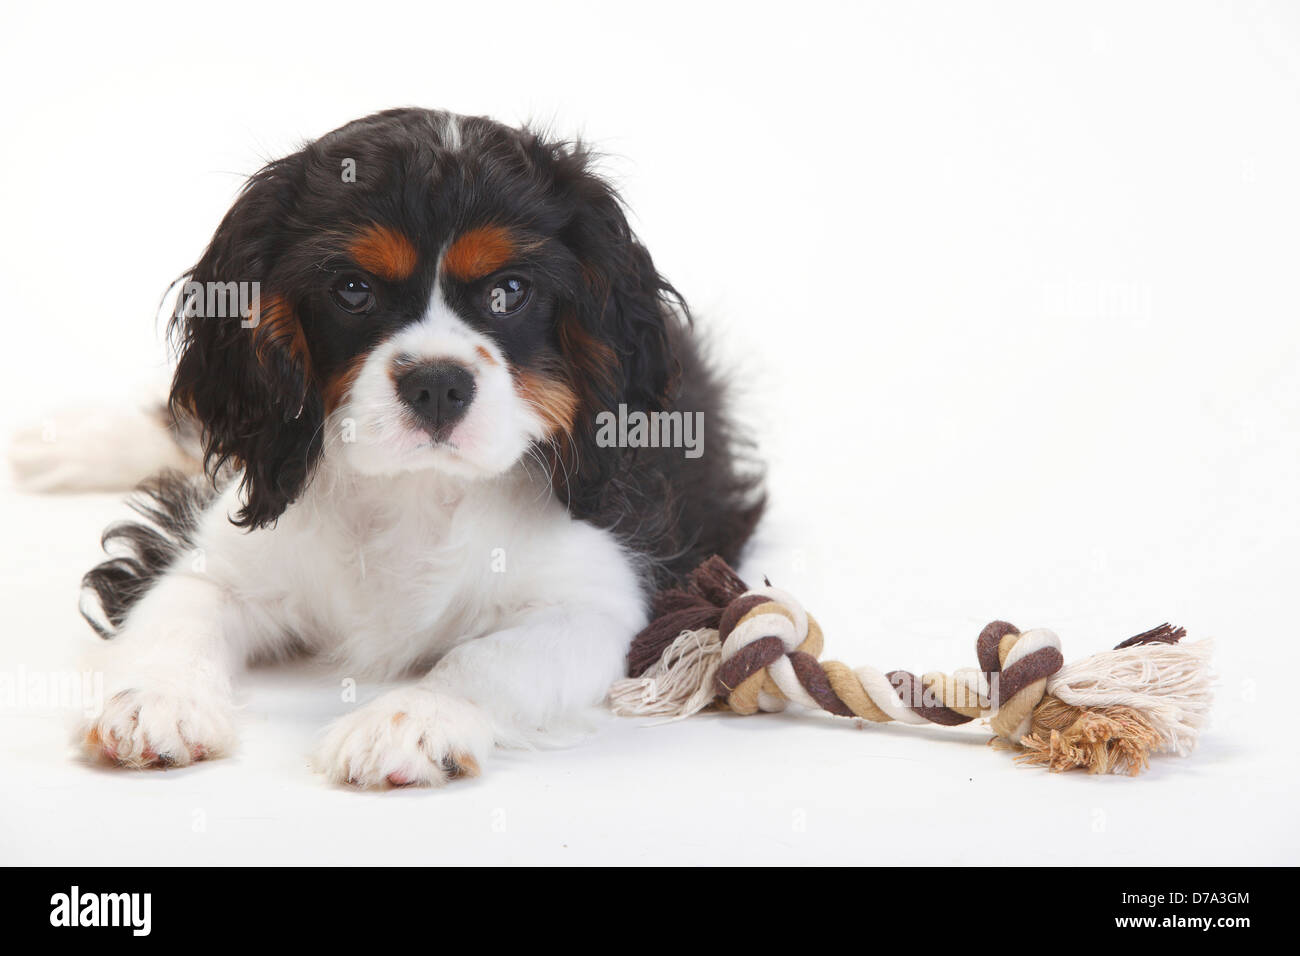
(404, 471)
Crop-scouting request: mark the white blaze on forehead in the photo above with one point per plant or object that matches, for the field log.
(442, 334)
(451, 131)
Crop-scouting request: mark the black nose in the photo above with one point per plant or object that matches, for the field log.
(438, 394)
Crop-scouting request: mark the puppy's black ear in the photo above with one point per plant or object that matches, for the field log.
(244, 370)
(620, 335)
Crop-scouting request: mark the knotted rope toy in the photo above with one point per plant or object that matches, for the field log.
(719, 643)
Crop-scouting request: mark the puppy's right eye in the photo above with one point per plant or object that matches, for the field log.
(507, 295)
(353, 294)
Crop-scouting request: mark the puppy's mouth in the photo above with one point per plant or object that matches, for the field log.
(416, 437)
(423, 436)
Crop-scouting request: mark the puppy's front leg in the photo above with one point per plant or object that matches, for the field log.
(505, 688)
(167, 680)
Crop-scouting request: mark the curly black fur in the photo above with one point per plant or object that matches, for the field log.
(171, 505)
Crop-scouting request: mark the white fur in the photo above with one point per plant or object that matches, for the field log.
(451, 132)
(399, 555)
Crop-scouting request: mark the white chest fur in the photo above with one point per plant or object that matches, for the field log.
(381, 574)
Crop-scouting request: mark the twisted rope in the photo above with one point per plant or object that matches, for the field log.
(769, 655)
(719, 642)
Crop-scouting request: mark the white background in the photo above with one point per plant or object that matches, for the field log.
(1010, 290)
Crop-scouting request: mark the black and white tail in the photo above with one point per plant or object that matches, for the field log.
(170, 506)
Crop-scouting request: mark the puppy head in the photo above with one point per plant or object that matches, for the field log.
(421, 291)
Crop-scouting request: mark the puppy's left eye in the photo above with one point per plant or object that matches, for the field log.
(353, 294)
(507, 295)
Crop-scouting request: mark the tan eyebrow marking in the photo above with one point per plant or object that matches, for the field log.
(478, 252)
(385, 252)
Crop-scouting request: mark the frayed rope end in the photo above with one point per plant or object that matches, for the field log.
(1110, 712)
(677, 685)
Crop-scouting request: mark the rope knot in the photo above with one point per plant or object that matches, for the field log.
(1016, 667)
(769, 642)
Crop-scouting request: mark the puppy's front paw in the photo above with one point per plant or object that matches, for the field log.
(408, 737)
(140, 729)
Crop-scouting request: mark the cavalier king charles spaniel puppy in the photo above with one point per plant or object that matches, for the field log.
(405, 471)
